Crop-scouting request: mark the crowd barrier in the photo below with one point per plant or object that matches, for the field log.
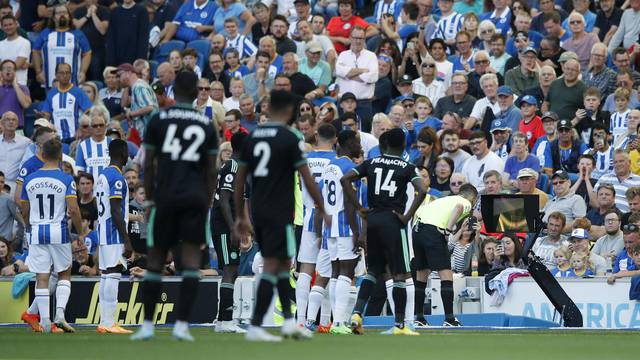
(602, 305)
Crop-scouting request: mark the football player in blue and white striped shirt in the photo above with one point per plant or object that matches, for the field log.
(112, 195)
(93, 153)
(449, 24)
(47, 196)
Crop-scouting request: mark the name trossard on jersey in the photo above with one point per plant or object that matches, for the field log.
(387, 179)
(317, 162)
(47, 192)
(111, 185)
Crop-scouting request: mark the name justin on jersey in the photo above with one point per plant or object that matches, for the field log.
(388, 161)
(44, 184)
(184, 115)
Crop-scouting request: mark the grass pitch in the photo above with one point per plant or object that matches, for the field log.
(20, 343)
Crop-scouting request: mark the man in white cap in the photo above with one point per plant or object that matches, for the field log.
(579, 242)
(305, 31)
(312, 65)
(526, 183)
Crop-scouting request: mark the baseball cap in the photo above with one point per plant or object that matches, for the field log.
(499, 124)
(529, 49)
(568, 55)
(529, 99)
(580, 234)
(313, 47)
(561, 174)
(527, 172)
(404, 98)
(301, 2)
(550, 115)
(347, 96)
(565, 124)
(505, 90)
(405, 79)
(126, 67)
(43, 122)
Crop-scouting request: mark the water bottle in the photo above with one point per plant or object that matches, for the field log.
(609, 270)
(474, 265)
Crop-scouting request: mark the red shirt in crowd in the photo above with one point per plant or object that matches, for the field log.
(338, 27)
(228, 134)
(533, 130)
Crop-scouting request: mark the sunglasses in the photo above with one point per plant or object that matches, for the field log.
(630, 228)
(487, 31)
(575, 22)
(305, 108)
(384, 58)
(481, 62)
(203, 88)
(556, 183)
(457, 183)
(429, 65)
(95, 126)
(84, 126)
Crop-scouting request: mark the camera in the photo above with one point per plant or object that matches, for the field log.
(472, 222)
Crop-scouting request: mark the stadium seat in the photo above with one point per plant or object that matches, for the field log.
(543, 183)
(203, 47)
(163, 51)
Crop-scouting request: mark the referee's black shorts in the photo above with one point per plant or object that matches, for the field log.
(387, 243)
(430, 248)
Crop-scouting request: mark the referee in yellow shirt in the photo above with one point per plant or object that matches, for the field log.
(434, 221)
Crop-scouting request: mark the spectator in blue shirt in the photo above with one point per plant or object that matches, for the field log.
(509, 113)
(464, 60)
(233, 9)
(193, 21)
(582, 7)
(519, 160)
(500, 16)
(631, 237)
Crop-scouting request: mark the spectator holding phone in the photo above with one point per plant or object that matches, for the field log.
(508, 253)
(462, 245)
(487, 252)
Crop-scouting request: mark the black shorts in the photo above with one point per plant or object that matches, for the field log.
(387, 244)
(276, 240)
(227, 254)
(430, 248)
(170, 226)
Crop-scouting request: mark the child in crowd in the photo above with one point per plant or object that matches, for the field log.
(561, 257)
(233, 66)
(580, 265)
(424, 108)
(236, 86)
(618, 124)
(190, 61)
(137, 222)
(634, 252)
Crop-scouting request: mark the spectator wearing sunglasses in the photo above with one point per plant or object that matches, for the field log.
(564, 152)
(566, 202)
(631, 238)
(427, 84)
(92, 155)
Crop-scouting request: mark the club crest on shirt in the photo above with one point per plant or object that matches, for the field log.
(346, 26)
(203, 15)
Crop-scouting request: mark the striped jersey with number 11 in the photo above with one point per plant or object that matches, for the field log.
(111, 185)
(47, 192)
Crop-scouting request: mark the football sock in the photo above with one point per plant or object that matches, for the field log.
(101, 300)
(264, 294)
(325, 310)
(225, 311)
(420, 290)
(332, 295)
(109, 299)
(188, 293)
(151, 287)
(316, 295)
(400, 300)
(342, 288)
(285, 293)
(33, 308)
(366, 286)
(42, 299)
(446, 292)
(409, 311)
(63, 291)
(389, 287)
(303, 286)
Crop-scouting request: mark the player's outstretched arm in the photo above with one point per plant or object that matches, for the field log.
(212, 177)
(118, 221)
(417, 200)
(349, 192)
(312, 187)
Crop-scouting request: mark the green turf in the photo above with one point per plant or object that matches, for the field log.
(19, 343)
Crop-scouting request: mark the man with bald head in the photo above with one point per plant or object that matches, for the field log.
(598, 74)
(12, 147)
(566, 94)
(166, 75)
(218, 43)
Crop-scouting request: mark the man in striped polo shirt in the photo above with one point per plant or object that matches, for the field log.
(621, 178)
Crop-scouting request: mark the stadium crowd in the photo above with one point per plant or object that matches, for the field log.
(530, 97)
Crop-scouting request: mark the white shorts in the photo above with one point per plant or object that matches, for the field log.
(341, 248)
(111, 256)
(309, 248)
(42, 257)
(323, 265)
